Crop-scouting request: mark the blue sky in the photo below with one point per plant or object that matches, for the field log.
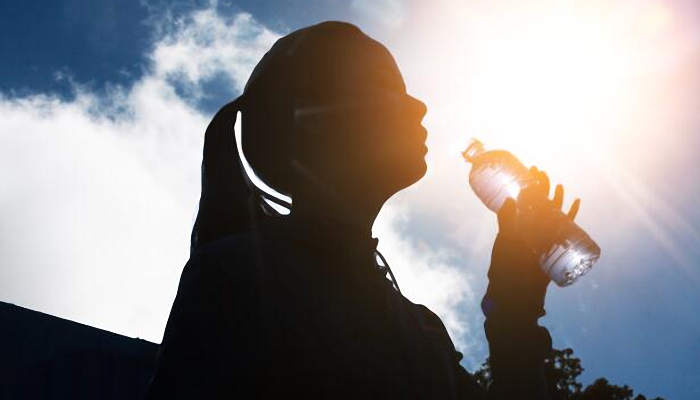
(103, 106)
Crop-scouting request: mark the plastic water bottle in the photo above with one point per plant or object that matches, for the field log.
(497, 175)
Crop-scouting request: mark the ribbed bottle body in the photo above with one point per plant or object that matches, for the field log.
(572, 254)
(497, 175)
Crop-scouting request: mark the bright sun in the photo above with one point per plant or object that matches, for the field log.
(570, 70)
(552, 81)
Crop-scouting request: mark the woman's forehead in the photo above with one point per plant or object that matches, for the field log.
(354, 68)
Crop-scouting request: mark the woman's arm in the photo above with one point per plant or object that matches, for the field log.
(514, 300)
(518, 345)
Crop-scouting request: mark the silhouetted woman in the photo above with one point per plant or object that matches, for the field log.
(298, 306)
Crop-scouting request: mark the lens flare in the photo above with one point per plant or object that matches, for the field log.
(514, 189)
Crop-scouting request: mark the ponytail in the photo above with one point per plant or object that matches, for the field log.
(229, 201)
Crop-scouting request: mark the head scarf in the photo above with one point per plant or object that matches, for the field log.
(230, 202)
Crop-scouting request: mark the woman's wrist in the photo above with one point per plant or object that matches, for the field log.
(517, 285)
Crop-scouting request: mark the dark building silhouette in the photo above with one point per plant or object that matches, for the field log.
(46, 357)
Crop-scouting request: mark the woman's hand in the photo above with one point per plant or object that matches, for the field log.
(527, 229)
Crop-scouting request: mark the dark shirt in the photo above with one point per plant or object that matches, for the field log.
(298, 310)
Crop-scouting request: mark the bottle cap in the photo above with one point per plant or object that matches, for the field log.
(474, 148)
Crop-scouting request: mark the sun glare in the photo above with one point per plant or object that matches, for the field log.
(582, 89)
(513, 189)
(551, 80)
(564, 78)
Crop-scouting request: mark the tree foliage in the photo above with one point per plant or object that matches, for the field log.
(562, 371)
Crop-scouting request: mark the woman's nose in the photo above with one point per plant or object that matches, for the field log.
(417, 107)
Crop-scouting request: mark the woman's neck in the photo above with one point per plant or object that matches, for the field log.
(354, 216)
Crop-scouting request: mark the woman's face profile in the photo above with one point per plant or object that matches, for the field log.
(365, 129)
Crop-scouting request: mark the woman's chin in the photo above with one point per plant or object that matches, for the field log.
(416, 172)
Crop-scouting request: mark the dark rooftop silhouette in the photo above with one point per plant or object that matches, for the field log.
(46, 357)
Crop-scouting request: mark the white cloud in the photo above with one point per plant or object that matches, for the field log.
(206, 43)
(428, 275)
(98, 194)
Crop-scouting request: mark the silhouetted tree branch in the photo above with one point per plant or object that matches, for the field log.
(563, 371)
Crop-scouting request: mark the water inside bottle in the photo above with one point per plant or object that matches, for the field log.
(496, 175)
(493, 185)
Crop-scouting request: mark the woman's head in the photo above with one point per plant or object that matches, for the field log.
(326, 110)
(326, 119)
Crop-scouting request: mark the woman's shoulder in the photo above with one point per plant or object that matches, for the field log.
(218, 277)
(430, 323)
(230, 256)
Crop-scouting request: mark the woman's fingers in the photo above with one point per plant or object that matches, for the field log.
(541, 181)
(574, 209)
(544, 183)
(558, 200)
(541, 188)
